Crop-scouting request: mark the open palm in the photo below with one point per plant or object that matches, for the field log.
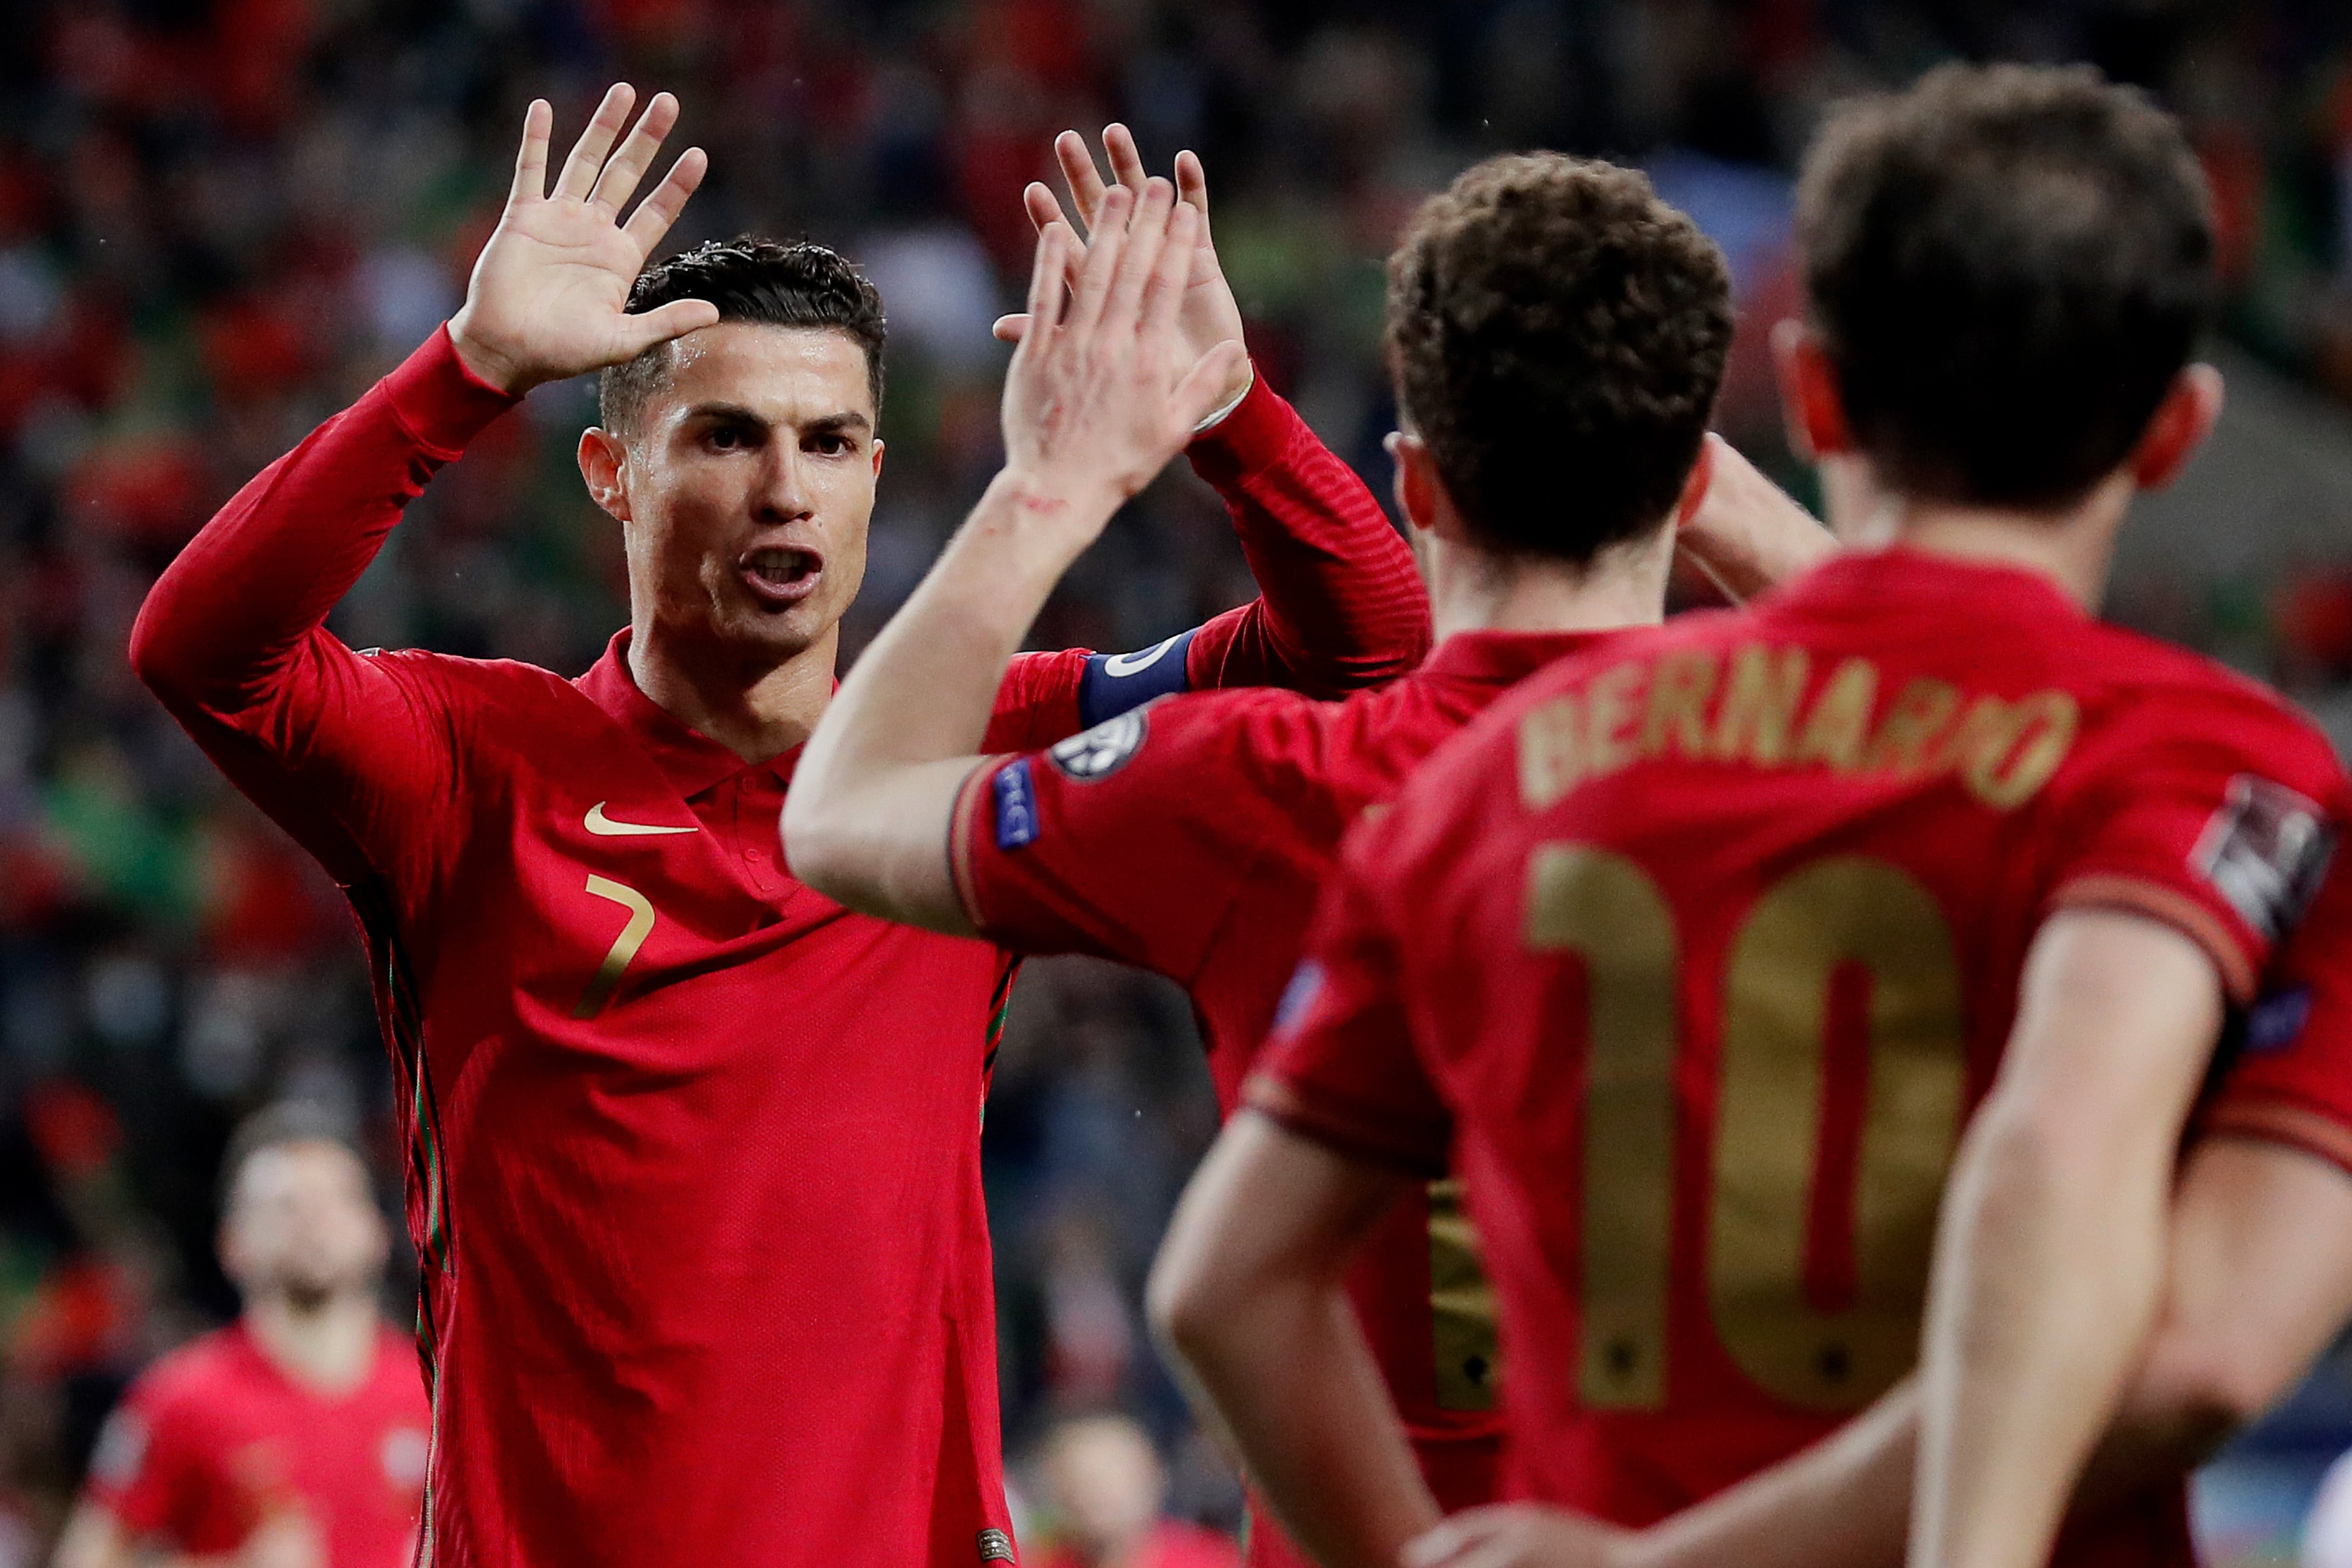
(549, 294)
(1209, 314)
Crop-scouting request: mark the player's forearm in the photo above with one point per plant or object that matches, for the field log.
(1341, 605)
(1749, 534)
(866, 820)
(230, 613)
(1282, 1372)
(2047, 1282)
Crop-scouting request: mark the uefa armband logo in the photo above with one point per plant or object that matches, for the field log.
(996, 1546)
(1101, 751)
(2265, 850)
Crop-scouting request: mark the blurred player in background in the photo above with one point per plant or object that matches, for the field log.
(1546, 317)
(1707, 944)
(1104, 1488)
(296, 1437)
(694, 1153)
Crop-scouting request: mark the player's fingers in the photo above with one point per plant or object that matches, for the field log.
(1043, 206)
(627, 166)
(580, 170)
(1125, 159)
(530, 159)
(1085, 182)
(1011, 329)
(1203, 386)
(674, 320)
(1147, 236)
(1045, 287)
(1103, 250)
(657, 211)
(1438, 1547)
(1172, 273)
(1192, 182)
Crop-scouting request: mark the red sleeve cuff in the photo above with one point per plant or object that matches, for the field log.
(2240, 969)
(2280, 1122)
(1421, 1152)
(1255, 436)
(441, 403)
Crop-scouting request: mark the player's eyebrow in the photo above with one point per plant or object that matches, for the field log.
(839, 423)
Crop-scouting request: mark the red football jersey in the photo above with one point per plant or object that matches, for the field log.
(1706, 944)
(1190, 838)
(2287, 1075)
(695, 1167)
(214, 1439)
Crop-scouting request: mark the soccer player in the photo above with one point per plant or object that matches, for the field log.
(2258, 1283)
(296, 1436)
(694, 1152)
(1546, 316)
(1706, 947)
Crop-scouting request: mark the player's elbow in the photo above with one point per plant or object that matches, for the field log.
(2195, 1388)
(152, 648)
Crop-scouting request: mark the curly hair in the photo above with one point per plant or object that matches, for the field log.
(2007, 266)
(767, 281)
(1557, 334)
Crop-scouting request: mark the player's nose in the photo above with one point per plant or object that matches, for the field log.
(784, 494)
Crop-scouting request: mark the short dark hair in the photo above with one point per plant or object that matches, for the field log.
(274, 1126)
(1557, 334)
(803, 283)
(2009, 264)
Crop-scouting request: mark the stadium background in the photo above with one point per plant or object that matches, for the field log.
(220, 219)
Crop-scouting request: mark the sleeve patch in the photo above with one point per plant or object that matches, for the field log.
(1113, 683)
(2265, 850)
(1014, 795)
(1297, 997)
(1097, 753)
(2276, 1020)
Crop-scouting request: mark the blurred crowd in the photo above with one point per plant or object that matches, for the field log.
(220, 219)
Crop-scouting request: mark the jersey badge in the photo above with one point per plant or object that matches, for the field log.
(996, 1546)
(2265, 850)
(1015, 796)
(1100, 752)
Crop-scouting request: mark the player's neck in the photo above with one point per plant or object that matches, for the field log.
(2071, 547)
(752, 704)
(327, 1344)
(1471, 591)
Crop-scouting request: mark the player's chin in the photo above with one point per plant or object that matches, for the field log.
(783, 630)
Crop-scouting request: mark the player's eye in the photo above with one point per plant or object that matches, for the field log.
(728, 438)
(830, 443)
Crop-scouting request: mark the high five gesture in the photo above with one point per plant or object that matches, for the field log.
(549, 294)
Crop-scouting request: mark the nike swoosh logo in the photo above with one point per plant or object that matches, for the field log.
(1136, 664)
(603, 827)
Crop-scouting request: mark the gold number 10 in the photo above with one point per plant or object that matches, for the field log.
(1778, 979)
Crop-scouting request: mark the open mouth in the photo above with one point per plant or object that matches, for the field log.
(780, 575)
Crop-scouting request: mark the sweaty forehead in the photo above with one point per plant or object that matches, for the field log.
(786, 375)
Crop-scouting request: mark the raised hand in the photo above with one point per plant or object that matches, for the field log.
(1209, 314)
(1105, 387)
(549, 294)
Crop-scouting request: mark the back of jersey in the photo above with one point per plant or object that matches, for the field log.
(1710, 942)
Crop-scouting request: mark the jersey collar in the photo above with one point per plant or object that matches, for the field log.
(1505, 658)
(690, 760)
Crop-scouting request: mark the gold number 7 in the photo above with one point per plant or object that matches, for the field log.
(624, 947)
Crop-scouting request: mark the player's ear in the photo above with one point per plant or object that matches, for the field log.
(602, 457)
(2181, 421)
(1811, 405)
(877, 460)
(1417, 487)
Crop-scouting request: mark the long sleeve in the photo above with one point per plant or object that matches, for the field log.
(1341, 603)
(351, 754)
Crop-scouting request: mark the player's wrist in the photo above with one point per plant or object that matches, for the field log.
(485, 361)
(1057, 502)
